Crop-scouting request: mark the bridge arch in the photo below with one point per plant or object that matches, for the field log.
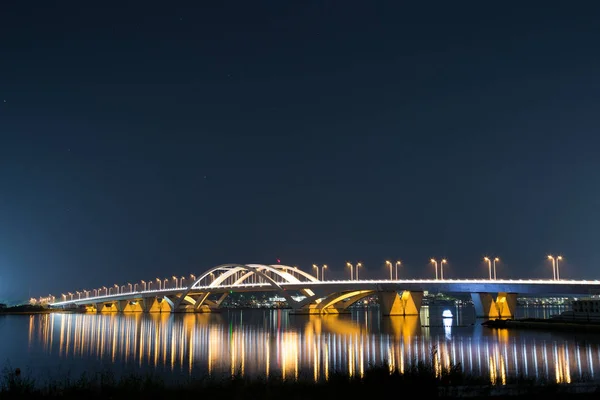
(341, 301)
(248, 270)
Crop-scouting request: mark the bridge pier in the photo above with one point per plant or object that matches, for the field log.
(407, 303)
(504, 306)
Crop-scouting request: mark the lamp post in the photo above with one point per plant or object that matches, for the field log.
(559, 258)
(316, 268)
(323, 268)
(489, 262)
(351, 273)
(358, 265)
(435, 264)
(496, 259)
(551, 258)
(388, 263)
(397, 264)
(442, 268)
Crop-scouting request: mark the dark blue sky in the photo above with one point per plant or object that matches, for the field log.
(162, 138)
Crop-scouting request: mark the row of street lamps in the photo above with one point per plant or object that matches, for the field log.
(490, 261)
(320, 274)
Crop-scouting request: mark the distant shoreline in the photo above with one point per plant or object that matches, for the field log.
(543, 324)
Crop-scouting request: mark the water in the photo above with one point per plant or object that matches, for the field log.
(266, 343)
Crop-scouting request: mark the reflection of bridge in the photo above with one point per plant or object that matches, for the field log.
(305, 294)
(211, 344)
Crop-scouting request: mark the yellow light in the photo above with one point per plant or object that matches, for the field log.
(325, 266)
(432, 260)
(486, 259)
(444, 261)
(559, 258)
(550, 257)
(496, 259)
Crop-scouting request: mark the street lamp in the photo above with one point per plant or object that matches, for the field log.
(388, 263)
(358, 266)
(323, 268)
(489, 265)
(434, 262)
(496, 259)
(351, 273)
(316, 268)
(442, 268)
(555, 270)
(551, 258)
(397, 264)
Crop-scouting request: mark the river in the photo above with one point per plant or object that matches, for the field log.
(266, 343)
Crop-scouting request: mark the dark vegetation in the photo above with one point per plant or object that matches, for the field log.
(23, 308)
(422, 380)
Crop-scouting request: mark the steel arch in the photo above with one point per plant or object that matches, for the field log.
(250, 269)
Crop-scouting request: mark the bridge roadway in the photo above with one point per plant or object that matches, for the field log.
(305, 294)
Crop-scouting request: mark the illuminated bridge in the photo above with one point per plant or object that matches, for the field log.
(305, 294)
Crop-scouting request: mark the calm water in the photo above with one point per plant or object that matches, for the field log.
(274, 343)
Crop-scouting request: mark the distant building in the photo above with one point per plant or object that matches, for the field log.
(582, 310)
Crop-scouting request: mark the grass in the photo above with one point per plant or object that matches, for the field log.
(378, 381)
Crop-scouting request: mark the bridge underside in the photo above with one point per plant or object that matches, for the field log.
(391, 303)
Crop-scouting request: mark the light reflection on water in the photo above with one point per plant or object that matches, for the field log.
(273, 343)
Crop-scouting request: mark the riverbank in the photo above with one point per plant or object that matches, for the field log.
(28, 309)
(544, 324)
(377, 382)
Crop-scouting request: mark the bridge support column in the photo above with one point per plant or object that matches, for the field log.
(121, 305)
(146, 303)
(407, 303)
(504, 306)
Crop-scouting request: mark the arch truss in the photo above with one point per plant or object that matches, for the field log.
(223, 279)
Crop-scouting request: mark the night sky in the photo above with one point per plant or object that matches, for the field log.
(157, 138)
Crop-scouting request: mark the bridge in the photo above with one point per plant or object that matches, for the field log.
(305, 294)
